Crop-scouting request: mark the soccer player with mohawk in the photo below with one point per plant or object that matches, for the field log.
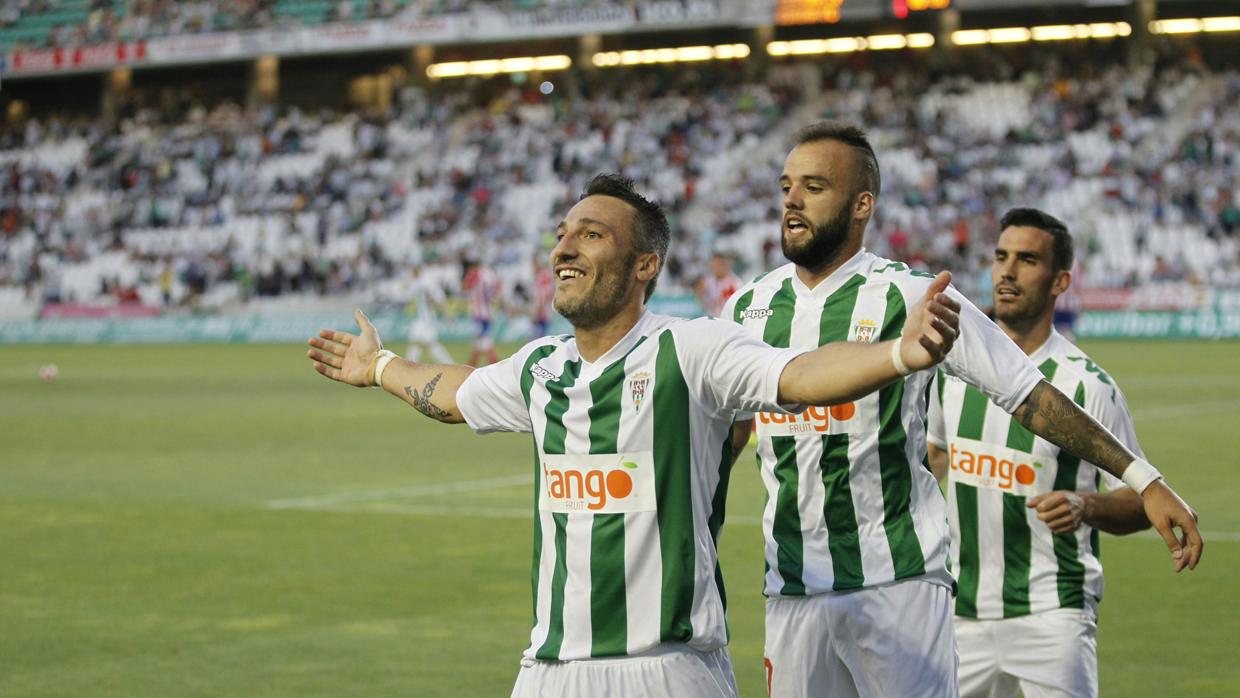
(859, 593)
(631, 417)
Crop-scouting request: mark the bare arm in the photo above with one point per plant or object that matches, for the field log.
(1119, 512)
(350, 359)
(938, 461)
(1051, 415)
(845, 371)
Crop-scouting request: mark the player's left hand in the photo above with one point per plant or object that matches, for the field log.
(931, 327)
(347, 357)
(1062, 511)
(1167, 512)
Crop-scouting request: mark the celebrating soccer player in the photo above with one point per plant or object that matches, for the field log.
(1018, 506)
(631, 417)
(859, 593)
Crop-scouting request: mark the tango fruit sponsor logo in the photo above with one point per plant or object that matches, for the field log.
(812, 420)
(597, 484)
(983, 465)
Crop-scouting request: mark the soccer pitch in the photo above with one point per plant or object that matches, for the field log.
(220, 520)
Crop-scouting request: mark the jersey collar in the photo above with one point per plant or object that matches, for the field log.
(832, 283)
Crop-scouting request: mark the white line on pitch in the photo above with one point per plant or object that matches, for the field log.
(328, 500)
(1186, 409)
(525, 514)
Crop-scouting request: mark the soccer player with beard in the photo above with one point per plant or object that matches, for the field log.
(631, 417)
(856, 537)
(1019, 507)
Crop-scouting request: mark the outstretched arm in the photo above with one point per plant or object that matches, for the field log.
(845, 371)
(354, 359)
(1051, 415)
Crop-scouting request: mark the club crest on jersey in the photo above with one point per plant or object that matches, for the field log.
(865, 330)
(637, 388)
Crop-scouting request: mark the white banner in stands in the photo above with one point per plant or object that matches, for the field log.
(400, 31)
(196, 47)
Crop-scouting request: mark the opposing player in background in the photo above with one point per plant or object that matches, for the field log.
(631, 417)
(483, 286)
(541, 298)
(859, 593)
(716, 286)
(426, 298)
(1019, 507)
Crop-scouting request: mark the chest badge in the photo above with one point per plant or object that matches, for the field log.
(865, 330)
(638, 384)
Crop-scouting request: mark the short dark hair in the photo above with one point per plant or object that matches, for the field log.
(1062, 248)
(650, 232)
(868, 177)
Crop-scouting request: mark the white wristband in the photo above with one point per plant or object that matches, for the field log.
(1139, 474)
(385, 358)
(901, 367)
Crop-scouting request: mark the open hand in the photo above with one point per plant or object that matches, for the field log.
(931, 327)
(346, 357)
(1167, 512)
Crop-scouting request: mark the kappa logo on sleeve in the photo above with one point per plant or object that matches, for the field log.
(993, 467)
(756, 313)
(614, 483)
(542, 374)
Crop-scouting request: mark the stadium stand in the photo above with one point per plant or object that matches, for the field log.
(213, 207)
(66, 23)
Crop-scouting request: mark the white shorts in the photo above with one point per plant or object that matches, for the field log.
(890, 641)
(1053, 653)
(668, 671)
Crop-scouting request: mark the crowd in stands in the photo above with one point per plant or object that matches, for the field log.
(70, 23)
(212, 207)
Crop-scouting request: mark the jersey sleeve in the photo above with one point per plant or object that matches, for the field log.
(737, 372)
(490, 399)
(987, 358)
(1105, 403)
(936, 433)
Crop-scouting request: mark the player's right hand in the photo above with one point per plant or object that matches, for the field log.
(346, 357)
(931, 327)
(1167, 511)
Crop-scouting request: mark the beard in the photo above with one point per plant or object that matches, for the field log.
(600, 303)
(824, 245)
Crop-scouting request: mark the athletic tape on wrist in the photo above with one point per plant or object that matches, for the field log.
(901, 367)
(1139, 474)
(385, 358)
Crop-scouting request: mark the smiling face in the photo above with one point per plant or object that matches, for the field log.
(597, 268)
(821, 203)
(1026, 283)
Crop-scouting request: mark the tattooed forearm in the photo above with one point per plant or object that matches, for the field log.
(422, 401)
(1051, 415)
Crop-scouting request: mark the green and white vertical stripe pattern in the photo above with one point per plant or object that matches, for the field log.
(849, 501)
(631, 461)
(1007, 562)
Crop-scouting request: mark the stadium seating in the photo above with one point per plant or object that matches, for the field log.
(257, 204)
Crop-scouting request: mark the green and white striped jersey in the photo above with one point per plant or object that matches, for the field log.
(1007, 562)
(632, 457)
(850, 503)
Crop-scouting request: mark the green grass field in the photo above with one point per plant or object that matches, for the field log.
(222, 521)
